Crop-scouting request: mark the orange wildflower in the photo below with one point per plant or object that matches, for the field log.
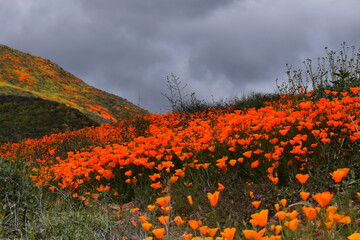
(277, 206)
(173, 179)
(339, 174)
(302, 178)
(232, 162)
(213, 198)
(156, 185)
(255, 164)
(212, 231)
(203, 230)
(194, 224)
(187, 236)
(190, 200)
(323, 199)
(151, 207)
(310, 212)
(283, 202)
(251, 194)
(154, 176)
(247, 154)
(228, 233)
(147, 226)
(163, 201)
(134, 210)
(304, 195)
(354, 90)
(128, 173)
(256, 204)
(163, 220)
(159, 232)
(277, 229)
(281, 215)
(260, 218)
(221, 187)
(354, 236)
(179, 221)
(292, 214)
(252, 234)
(293, 224)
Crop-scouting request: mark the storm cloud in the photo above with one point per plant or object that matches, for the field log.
(221, 49)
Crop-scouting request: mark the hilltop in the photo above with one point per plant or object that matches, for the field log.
(22, 74)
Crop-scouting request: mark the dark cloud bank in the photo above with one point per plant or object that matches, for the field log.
(221, 49)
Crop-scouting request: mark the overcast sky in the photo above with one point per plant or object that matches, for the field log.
(220, 48)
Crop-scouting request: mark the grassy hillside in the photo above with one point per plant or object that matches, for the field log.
(26, 75)
(288, 170)
(28, 117)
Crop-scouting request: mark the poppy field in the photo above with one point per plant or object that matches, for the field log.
(289, 170)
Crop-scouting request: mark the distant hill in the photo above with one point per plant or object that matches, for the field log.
(22, 74)
(29, 117)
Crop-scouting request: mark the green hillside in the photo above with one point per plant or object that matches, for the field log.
(23, 74)
(29, 117)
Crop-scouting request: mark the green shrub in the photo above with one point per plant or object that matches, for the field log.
(335, 72)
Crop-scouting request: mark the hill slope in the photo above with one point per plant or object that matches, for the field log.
(23, 74)
(29, 117)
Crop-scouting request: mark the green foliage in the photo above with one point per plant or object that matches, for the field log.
(254, 100)
(334, 72)
(19, 202)
(28, 117)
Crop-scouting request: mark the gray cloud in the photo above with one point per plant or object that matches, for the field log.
(220, 48)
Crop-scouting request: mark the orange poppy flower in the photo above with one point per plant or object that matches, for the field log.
(339, 174)
(292, 214)
(232, 162)
(147, 226)
(128, 173)
(252, 234)
(228, 233)
(293, 224)
(323, 199)
(354, 236)
(251, 194)
(190, 200)
(277, 229)
(159, 232)
(156, 185)
(187, 236)
(281, 215)
(304, 195)
(173, 179)
(255, 164)
(179, 221)
(194, 224)
(260, 218)
(302, 178)
(355, 90)
(221, 187)
(203, 230)
(256, 204)
(283, 202)
(163, 201)
(310, 212)
(151, 207)
(212, 231)
(277, 206)
(213, 198)
(163, 220)
(247, 154)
